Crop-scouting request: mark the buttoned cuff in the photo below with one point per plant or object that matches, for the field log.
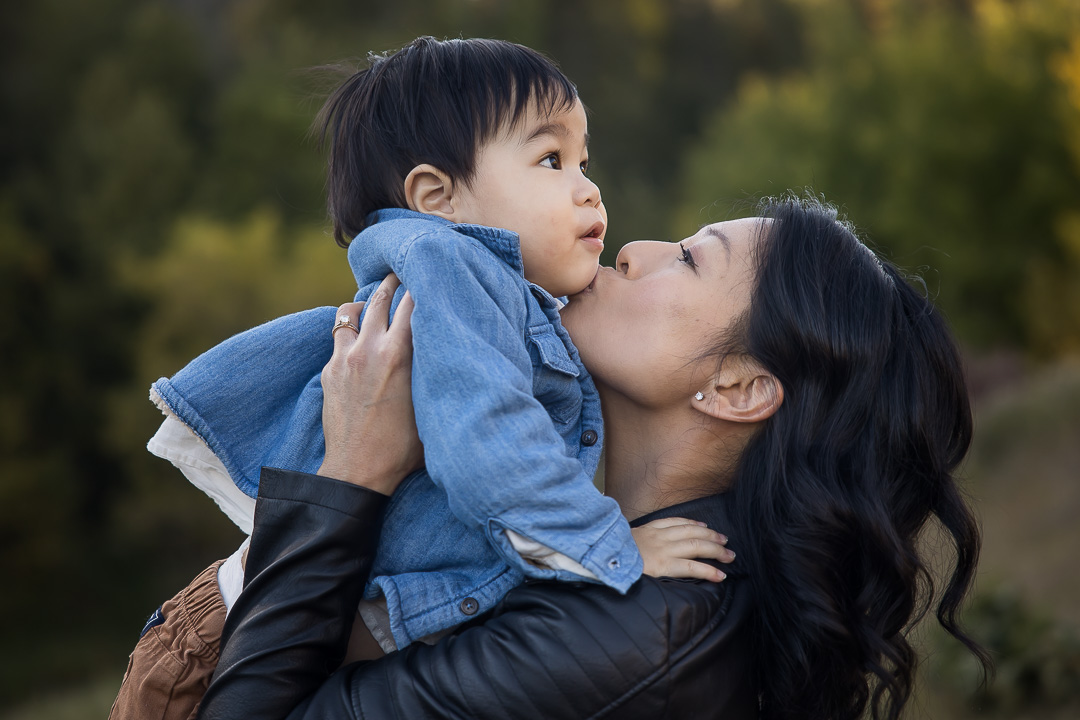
(614, 558)
(541, 554)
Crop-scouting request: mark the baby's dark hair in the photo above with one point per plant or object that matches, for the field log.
(432, 101)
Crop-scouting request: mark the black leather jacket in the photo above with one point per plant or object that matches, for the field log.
(667, 649)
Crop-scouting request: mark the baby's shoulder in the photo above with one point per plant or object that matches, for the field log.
(460, 245)
(413, 237)
(458, 260)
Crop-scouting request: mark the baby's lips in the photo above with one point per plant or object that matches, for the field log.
(596, 231)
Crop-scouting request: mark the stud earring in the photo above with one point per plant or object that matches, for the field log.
(699, 395)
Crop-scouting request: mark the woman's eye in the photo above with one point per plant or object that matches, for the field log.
(551, 161)
(687, 257)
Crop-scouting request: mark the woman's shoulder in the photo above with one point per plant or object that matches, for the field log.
(667, 648)
(662, 634)
(667, 612)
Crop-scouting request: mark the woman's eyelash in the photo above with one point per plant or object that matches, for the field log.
(688, 257)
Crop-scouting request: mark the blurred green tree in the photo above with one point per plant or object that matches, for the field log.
(1052, 300)
(97, 146)
(213, 279)
(942, 133)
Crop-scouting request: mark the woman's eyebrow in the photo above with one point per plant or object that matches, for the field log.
(715, 232)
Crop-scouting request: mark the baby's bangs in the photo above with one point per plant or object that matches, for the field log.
(519, 67)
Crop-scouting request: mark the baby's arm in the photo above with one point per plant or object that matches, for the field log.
(673, 547)
(488, 441)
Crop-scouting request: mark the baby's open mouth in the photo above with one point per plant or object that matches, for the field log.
(595, 231)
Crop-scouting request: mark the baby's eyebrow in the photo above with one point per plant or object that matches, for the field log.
(557, 129)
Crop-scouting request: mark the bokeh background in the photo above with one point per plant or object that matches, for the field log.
(159, 191)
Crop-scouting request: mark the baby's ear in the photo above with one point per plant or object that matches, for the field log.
(429, 190)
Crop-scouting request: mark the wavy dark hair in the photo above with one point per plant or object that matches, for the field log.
(837, 486)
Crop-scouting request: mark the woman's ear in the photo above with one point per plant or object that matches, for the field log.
(429, 190)
(742, 391)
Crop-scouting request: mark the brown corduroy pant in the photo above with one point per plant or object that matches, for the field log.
(171, 666)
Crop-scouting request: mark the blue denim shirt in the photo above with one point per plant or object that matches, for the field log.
(508, 415)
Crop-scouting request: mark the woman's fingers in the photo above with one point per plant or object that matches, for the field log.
(346, 325)
(402, 324)
(377, 317)
(368, 421)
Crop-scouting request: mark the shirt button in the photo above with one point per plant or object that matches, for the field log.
(469, 606)
(589, 438)
(613, 563)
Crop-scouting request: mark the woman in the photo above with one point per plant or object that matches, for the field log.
(770, 376)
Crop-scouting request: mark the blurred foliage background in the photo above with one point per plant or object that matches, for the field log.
(159, 191)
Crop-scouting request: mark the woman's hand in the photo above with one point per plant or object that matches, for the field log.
(669, 547)
(368, 421)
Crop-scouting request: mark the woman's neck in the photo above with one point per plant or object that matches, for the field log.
(658, 458)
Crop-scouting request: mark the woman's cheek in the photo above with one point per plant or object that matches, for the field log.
(645, 344)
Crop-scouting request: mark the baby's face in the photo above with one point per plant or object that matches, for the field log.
(531, 180)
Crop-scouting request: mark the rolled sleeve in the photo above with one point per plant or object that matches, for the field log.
(612, 558)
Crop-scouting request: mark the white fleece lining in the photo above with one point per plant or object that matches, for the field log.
(176, 442)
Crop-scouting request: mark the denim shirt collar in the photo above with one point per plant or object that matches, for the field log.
(504, 244)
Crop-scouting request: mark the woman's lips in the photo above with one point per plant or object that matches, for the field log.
(592, 285)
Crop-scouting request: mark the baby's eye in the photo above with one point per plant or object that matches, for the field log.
(551, 161)
(687, 257)
(584, 167)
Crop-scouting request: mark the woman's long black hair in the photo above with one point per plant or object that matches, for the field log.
(834, 490)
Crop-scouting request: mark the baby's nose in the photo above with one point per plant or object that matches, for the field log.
(589, 192)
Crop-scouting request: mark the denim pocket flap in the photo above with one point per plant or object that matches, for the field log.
(553, 353)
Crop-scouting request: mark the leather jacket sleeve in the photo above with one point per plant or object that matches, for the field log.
(549, 650)
(311, 551)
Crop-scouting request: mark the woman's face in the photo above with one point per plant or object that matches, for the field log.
(642, 326)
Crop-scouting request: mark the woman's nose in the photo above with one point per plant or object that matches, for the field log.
(633, 258)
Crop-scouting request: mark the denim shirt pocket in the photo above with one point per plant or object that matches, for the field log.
(555, 375)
